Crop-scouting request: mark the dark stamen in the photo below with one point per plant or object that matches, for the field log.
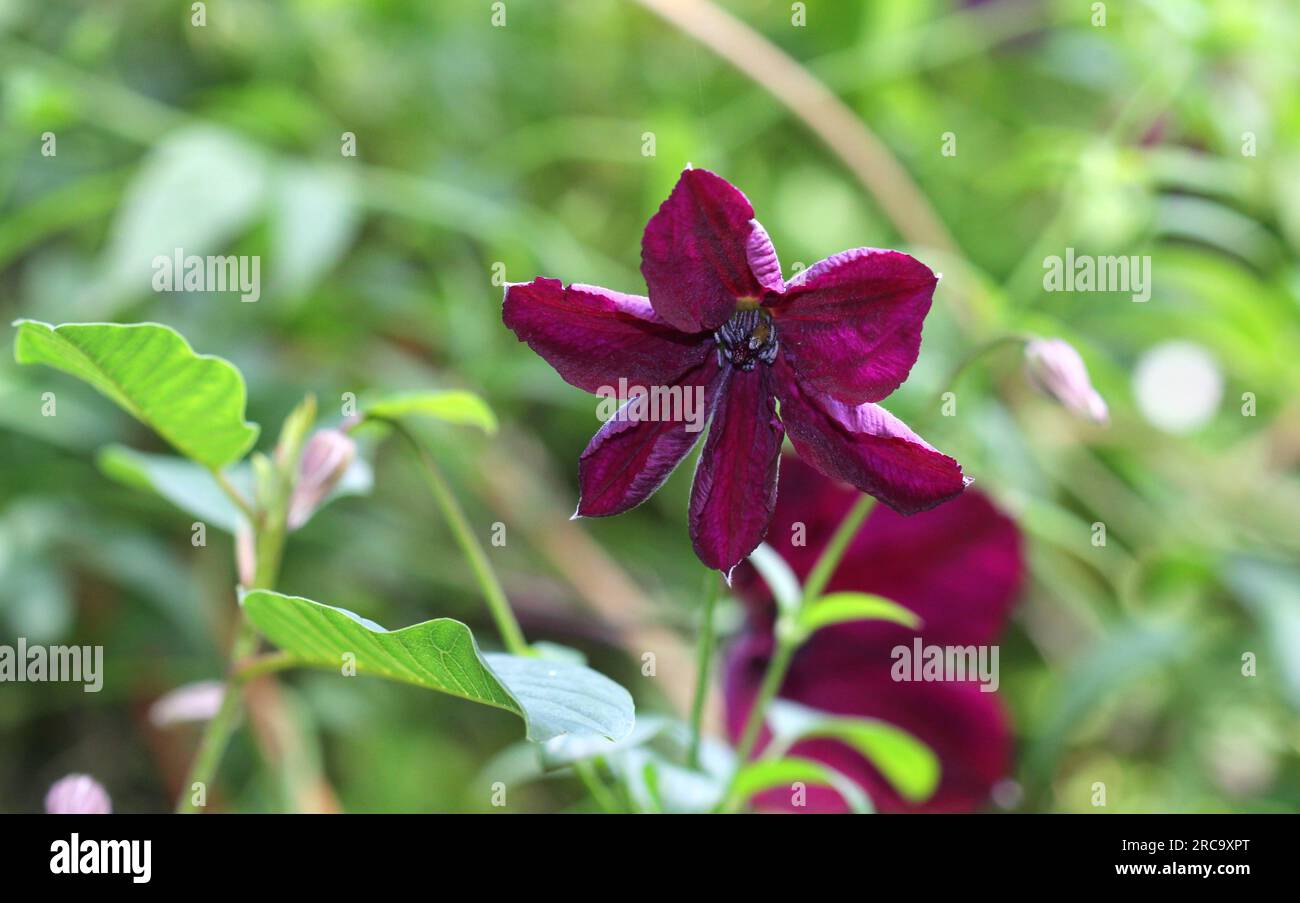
(747, 338)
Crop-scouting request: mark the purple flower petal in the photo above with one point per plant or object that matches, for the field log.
(735, 484)
(694, 252)
(629, 459)
(593, 336)
(966, 728)
(763, 261)
(867, 447)
(851, 324)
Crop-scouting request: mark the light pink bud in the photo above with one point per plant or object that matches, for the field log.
(324, 461)
(192, 702)
(77, 794)
(245, 556)
(1055, 368)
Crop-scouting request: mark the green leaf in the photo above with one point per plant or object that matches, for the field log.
(836, 608)
(181, 482)
(192, 489)
(553, 697)
(769, 774)
(194, 401)
(196, 190)
(453, 406)
(778, 576)
(1271, 590)
(905, 762)
(313, 219)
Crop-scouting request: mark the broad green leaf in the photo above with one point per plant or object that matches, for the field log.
(313, 219)
(197, 189)
(553, 697)
(770, 774)
(191, 488)
(453, 406)
(836, 608)
(180, 481)
(778, 576)
(194, 401)
(1271, 590)
(905, 762)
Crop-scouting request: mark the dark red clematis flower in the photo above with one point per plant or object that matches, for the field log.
(720, 320)
(958, 567)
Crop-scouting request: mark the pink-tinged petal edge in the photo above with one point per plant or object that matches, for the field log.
(593, 336)
(851, 324)
(867, 447)
(629, 459)
(763, 262)
(694, 252)
(734, 492)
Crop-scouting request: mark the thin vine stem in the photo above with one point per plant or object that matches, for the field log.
(495, 597)
(787, 638)
(236, 497)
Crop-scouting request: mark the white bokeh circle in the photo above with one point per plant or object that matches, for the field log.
(1178, 386)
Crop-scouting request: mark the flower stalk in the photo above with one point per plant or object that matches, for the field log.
(498, 605)
(268, 523)
(788, 636)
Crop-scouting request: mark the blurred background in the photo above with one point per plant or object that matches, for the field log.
(540, 146)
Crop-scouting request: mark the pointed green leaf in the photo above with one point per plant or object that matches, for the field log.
(453, 406)
(836, 608)
(182, 482)
(905, 762)
(778, 576)
(191, 488)
(194, 401)
(553, 697)
(770, 774)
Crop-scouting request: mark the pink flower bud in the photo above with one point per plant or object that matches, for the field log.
(77, 794)
(324, 461)
(192, 702)
(1055, 368)
(245, 556)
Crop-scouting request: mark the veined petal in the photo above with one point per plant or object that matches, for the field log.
(593, 336)
(735, 483)
(763, 262)
(694, 252)
(633, 453)
(866, 446)
(851, 324)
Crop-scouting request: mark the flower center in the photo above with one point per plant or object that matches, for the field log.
(747, 338)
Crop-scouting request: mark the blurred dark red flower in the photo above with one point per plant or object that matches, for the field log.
(958, 567)
(722, 323)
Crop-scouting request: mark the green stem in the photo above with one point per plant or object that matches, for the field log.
(493, 594)
(772, 679)
(978, 352)
(216, 735)
(830, 557)
(705, 656)
(590, 777)
(268, 664)
(236, 497)
(269, 537)
(788, 638)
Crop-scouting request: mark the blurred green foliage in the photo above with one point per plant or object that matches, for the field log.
(484, 149)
